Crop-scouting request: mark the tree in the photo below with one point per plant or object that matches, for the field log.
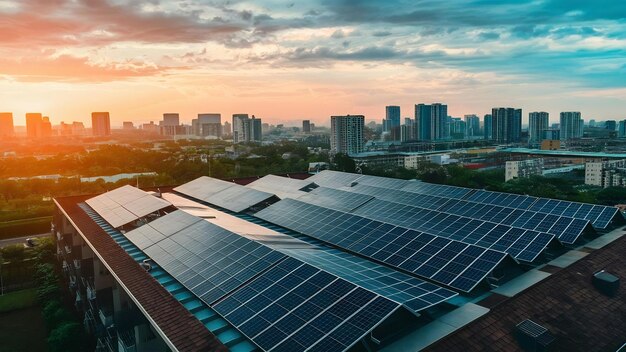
(67, 337)
(344, 163)
(612, 196)
(55, 314)
(14, 253)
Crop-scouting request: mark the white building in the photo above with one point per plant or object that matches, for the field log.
(346, 134)
(606, 173)
(523, 168)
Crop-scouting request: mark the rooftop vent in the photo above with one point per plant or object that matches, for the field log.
(354, 184)
(533, 337)
(146, 264)
(606, 283)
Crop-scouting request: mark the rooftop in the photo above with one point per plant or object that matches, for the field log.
(563, 153)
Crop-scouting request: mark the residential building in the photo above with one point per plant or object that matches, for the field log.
(247, 129)
(538, 122)
(151, 128)
(552, 134)
(506, 125)
(33, 125)
(488, 126)
(170, 125)
(621, 130)
(472, 125)
(227, 128)
(207, 125)
(346, 134)
(431, 122)
(523, 168)
(128, 125)
(256, 129)
(306, 126)
(458, 127)
(391, 124)
(100, 124)
(570, 125)
(609, 173)
(6, 124)
(610, 125)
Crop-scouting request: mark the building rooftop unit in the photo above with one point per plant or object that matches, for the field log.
(343, 262)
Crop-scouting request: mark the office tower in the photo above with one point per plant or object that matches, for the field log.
(431, 122)
(241, 128)
(472, 125)
(256, 129)
(306, 126)
(46, 127)
(506, 125)
(169, 126)
(6, 124)
(207, 125)
(33, 124)
(391, 123)
(610, 125)
(487, 126)
(346, 134)
(537, 123)
(227, 128)
(621, 131)
(100, 123)
(570, 125)
(128, 125)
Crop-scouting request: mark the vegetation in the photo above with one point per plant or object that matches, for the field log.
(18, 300)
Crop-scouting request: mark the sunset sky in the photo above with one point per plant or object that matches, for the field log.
(291, 60)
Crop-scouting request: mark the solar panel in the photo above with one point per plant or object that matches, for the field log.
(283, 187)
(333, 179)
(503, 199)
(383, 182)
(224, 194)
(294, 306)
(335, 199)
(437, 190)
(125, 204)
(600, 216)
(485, 234)
(451, 263)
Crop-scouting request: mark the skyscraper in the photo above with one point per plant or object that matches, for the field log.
(570, 125)
(472, 125)
(6, 124)
(170, 124)
(610, 125)
(346, 134)
(306, 126)
(227, 128)
(256, 129)
(621, 130)
(46, 127)
(246, 129)
(100, 123)
(33, 124)
(431, 122)
(208, 125)
(392, 121)
(537, 123)
(488, 126)
(506, 125)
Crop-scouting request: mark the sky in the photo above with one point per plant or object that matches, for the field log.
(286, 61)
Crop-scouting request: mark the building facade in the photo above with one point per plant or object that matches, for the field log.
(523, 168)
(506, 125)
(391, 124)
(538, 122)
(6, 124)
(247, 129)
(571, 125)
(346, 134)
(306, 126)
(472, 125)
(100, 124)
(431, 122)
(611, 173)
(488, 126)
(621, 129)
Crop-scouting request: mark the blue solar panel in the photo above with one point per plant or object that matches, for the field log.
(394, 245)
(335, 199)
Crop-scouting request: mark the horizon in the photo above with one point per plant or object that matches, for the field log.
(287, 61)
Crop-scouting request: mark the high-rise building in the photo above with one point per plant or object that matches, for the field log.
(306, 126)
(392, 122)
(506, 125)
(610, 125)
(592, 123)
(570, 125)
(170, 124)
(100, 123)
(246, 129)
(33, 124)
(431, 122)
(128, 125)
(227, 128)
(346, 134)
(458, 127)
(621, 130)
(46, 127)
(207, 125)
(487, 126)
(472, 125)
(6, 124)
(538, 122)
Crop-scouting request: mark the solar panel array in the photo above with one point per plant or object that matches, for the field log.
(125, 204)
(599, 215)
(224, 194)
(335, 199)
(283, 187)
(277, 300)
(437, 190)
(295, 306)
(333, 179)
(452, 263)
(522, 244)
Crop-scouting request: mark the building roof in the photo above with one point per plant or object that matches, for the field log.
(569, 153)
(183, 330)
(577, 314)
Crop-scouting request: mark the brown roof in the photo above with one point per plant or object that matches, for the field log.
(183, 329)
(577, 314)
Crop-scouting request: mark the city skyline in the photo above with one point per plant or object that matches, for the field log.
(66, 59)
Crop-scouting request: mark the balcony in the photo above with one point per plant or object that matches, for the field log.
(68, 249)
(91, 292)
(106, 317)
(126, 341)
(77, 264)
(72, 280)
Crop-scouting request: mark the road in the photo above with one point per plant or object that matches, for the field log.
(17, 240)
